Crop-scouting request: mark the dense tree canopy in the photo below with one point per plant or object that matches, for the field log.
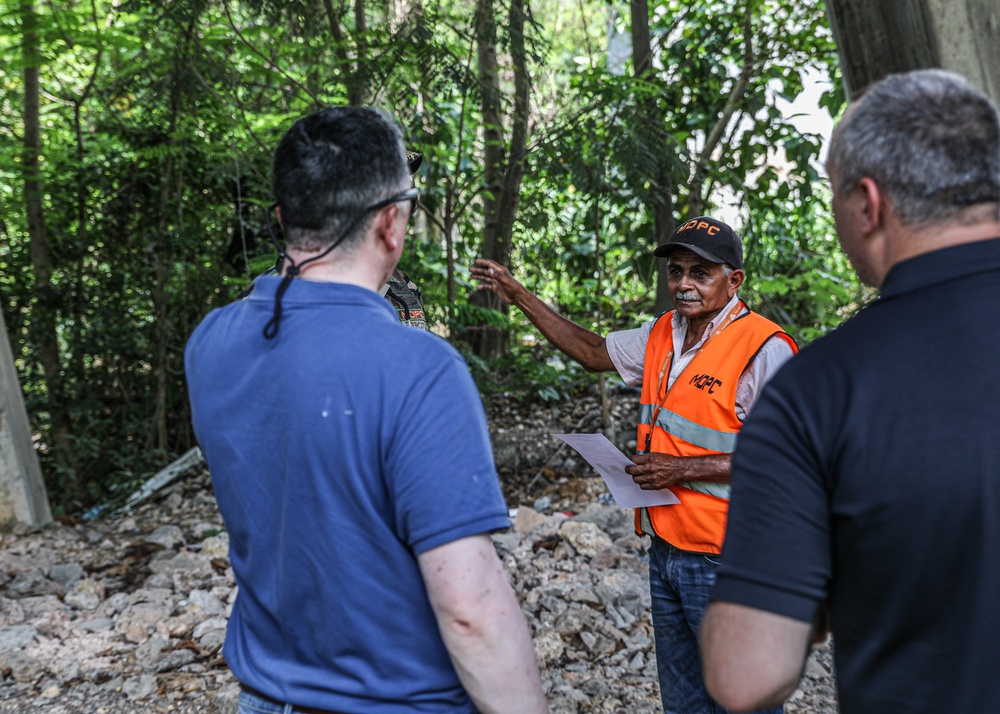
(134, 187)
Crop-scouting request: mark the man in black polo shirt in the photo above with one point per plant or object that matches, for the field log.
(867, 477)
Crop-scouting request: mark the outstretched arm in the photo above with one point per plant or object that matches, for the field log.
(482, 626)
(586, 347)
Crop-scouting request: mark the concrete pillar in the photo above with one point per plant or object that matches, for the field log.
(23, 500)
(968, 34)
(875, 39)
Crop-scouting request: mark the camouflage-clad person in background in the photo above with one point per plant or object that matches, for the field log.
(404, 295)
(401, 291)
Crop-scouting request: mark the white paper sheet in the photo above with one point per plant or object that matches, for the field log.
(610, 463)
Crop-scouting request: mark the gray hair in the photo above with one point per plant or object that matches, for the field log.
(929, 139)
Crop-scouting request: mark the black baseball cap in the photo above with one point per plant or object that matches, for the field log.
(711, 239)
(413, 161)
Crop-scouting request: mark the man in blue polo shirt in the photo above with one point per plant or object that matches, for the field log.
(358, 488)
(868, 476)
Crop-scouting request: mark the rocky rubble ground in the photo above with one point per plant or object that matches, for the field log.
(127, 614)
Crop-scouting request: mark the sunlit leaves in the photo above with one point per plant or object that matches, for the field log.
(159, 120)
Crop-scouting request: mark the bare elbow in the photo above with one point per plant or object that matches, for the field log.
(596, 358)
(591, 365)
(740, 698)
(459, 615)
(464, 627)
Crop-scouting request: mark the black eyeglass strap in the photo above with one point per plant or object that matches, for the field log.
(293, 270)
(271, 328)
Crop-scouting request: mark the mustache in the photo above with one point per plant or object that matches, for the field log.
(690, 295)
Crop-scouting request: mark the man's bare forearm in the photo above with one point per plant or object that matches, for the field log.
(483, 627)
(586, 347)
(580, 344)
(655, 471)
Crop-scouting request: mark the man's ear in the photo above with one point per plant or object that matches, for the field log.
(875, 221)
(736, 279)
(873, 206)
(277, 212)
(386, 229)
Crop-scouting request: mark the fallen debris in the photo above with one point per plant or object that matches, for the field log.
(128, 614)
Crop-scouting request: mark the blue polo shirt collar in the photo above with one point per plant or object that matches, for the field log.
(313, 292)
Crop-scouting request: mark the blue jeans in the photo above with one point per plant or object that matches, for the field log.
(252, 704)
(679, 583)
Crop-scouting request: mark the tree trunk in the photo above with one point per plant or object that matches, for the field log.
(160, 438)
(504, 166)
(607, 418)
(875, 39)
(510, 192)
(696, 184)
(43, 330)
(354, 79)
(79, 294)
(879, 38)
(488, 342)
(356, 87)
(662, 203)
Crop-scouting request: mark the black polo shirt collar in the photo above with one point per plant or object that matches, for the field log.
(942, 266)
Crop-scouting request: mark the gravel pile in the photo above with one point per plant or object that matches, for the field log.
(128, 614)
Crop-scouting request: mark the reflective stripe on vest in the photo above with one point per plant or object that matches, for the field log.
(711, 439)
(697, 418)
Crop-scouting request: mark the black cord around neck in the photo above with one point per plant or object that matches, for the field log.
(293, 270)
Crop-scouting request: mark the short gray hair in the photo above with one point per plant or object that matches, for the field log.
(929, 139)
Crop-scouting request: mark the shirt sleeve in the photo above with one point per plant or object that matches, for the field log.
(627, 349)
(776, 555)
(440, 460)
(775, 352)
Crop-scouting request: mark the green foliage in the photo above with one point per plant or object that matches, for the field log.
(594, 172)
(157, 124)
(798, 276)
(534, 374)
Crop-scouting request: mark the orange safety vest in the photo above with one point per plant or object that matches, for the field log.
(697, 417)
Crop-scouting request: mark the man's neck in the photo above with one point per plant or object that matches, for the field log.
(906, 242)
(349, 269)
(697, 327)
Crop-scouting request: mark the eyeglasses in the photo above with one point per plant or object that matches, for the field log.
(410, 194)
